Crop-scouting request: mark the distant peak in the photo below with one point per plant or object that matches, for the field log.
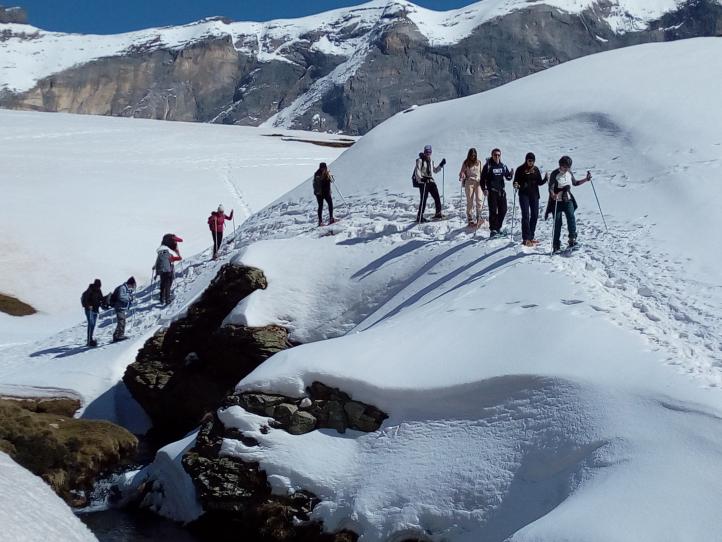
(16, 15)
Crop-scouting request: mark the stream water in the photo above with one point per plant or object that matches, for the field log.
(134, 526)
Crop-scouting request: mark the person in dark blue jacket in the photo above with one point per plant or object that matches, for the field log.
(493, 176)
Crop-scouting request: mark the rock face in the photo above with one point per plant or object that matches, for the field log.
(302, 81)
(69, 454)
(235, 493)
(185, 371)
(13, 15)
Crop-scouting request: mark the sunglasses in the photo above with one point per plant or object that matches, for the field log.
(496, 154)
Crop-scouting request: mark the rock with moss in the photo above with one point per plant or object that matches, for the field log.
(69, 454)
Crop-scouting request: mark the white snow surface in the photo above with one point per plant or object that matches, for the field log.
(31, 512)
(531, 398)
(29, 54)
(88, 197)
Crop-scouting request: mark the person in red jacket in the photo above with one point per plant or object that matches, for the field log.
(216, 224)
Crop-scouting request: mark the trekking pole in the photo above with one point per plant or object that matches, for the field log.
(443, 185)
(554, 225)
(152, 285)
(513, 215)
(234, 226)
(598, 205)
(215, 238)
(339, 192)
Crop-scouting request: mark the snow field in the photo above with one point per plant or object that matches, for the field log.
(91, 197)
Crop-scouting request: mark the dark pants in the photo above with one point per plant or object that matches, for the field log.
(529, 213)
(497, 210)
(567, 209)
(166, 280)
(91, 316)
(119, 332)
(424, 190)
(329, 201)
(217, 240)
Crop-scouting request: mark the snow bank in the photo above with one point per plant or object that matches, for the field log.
(29, 510)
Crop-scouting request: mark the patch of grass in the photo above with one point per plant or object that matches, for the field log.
(66, 452)
(14, 307)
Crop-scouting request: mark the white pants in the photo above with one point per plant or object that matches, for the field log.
(473, 198)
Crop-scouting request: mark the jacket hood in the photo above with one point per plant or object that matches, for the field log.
(162, 248)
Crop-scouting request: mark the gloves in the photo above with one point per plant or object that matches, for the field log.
(443, 162)
(516, 185)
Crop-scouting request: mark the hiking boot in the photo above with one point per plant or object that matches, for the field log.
(331, 220)
(320, 223)
(421, 220)
(534, 242)
(471, 224)
(572, 242)
(438, 216)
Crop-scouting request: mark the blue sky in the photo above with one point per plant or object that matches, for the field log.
(112, 16)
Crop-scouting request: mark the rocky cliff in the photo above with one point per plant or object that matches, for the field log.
(346, 70)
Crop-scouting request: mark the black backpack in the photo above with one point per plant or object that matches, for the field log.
(111, 299)
(84, 298)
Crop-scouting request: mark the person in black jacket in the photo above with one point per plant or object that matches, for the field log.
(91, 300)
(527, 181)
(322, 180)
(492, 183)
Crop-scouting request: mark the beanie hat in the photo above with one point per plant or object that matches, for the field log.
(530, 156)
(427, 148)
(96, 283)
(220, 208)
(565, 161)
(322, 165)
(131, 280)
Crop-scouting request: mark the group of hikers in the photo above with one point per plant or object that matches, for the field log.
(120, 300)
(487, 182)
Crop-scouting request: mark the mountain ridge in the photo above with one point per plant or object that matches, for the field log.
(343, 70)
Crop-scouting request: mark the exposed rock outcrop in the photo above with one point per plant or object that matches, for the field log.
(185, 371)
(15, 15)
(323, 408)
(236, 493)
(69, 454)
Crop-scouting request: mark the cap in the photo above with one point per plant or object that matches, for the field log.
(427, 148)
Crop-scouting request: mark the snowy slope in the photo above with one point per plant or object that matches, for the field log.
(29, 54)
(92, 197)
(530, 397)
(30, 511)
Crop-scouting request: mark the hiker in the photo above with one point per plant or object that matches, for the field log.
(424, 180)
(527, 181)
(322, 180)
(121, 300)
(164, 265)
(561, 181)
(216, 224)
(492, 183)
(91, 300)
(470, 177)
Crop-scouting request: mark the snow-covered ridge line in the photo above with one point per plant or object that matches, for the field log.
(28, 54)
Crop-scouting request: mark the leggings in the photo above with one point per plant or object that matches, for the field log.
(320, 199)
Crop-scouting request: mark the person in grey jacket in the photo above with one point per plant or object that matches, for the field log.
(164, 268)
(123, 295)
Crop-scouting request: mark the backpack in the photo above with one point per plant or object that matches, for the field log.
(415, 178)
(212, 221)
(111, 299)
(84, 298)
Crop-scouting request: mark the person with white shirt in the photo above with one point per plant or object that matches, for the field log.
(561, 181)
